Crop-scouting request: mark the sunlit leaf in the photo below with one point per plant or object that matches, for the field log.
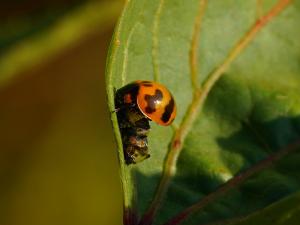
(251, 112)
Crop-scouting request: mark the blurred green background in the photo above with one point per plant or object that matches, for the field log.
(58, 162)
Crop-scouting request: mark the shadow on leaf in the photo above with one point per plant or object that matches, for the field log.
(191, 183)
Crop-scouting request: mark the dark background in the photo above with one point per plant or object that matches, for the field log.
(58, 162)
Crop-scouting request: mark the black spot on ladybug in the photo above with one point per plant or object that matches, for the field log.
(151, 100)
(168, 111)
(147, 84)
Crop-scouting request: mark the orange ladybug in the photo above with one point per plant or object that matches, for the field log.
(136, 104)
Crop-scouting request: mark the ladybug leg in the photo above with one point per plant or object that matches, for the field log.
(129, 159)
(123, 107)
(116, 110)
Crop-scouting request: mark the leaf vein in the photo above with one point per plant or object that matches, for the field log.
(155, 28)
(125, 53)
(194, 65)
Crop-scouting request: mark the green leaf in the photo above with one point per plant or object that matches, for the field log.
(237, 105)
(286, 211)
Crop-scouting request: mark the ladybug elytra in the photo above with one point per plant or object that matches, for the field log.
(138, 103)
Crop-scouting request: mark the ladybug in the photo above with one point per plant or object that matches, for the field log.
(137, 103)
